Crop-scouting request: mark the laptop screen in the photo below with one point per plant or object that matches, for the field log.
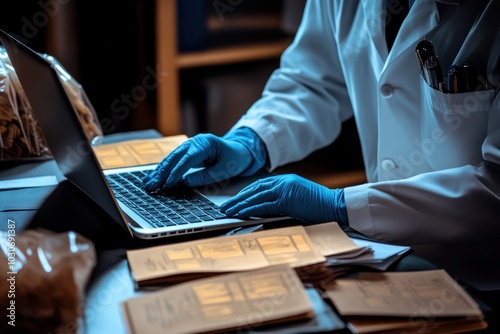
(60, 124)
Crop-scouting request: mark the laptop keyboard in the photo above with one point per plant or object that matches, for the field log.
(164, 207)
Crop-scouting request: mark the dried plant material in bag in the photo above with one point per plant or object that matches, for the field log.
(80, 102)
(20, 135)
(42, 288)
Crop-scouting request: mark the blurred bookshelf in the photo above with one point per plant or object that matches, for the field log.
(220, 53)
(194, 35)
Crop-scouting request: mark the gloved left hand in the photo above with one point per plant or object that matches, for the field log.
(289, 195)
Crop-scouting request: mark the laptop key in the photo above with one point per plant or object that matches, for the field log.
(206, 217)
(214, 213)
(192, 219)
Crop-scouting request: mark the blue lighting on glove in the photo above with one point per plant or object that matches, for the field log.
(240, 152)
(289, 195)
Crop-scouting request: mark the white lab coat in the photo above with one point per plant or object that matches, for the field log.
(432, 159)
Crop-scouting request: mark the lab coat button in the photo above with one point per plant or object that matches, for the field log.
(388, 164)
(387, 90)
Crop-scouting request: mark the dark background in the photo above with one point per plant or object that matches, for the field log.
(105, 46)
(108, 47)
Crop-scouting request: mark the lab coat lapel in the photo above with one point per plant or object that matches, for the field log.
(413, 30)
(375, 11)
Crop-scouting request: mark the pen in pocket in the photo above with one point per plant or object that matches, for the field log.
(424, 50)
(459, 79)
(455, 80)
(434, 73)
(470, 77)
(462, 79)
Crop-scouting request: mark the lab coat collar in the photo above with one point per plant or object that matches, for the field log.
(424, 17)
(375, 11)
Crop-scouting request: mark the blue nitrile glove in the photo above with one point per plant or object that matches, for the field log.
(240, 152)
(289, 195)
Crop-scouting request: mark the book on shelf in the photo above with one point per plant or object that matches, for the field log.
(236, 301)
(428, 301)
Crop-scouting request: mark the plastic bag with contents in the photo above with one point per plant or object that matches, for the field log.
(20, 135)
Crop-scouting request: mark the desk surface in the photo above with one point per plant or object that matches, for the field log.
(114, 285)
(107, 291)
(111, 282)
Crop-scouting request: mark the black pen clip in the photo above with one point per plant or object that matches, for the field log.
(470, 77)
(455, 80)
(424, 50)
(434, 73)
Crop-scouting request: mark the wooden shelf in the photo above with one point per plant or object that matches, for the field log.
(170, 62)
(234, 54)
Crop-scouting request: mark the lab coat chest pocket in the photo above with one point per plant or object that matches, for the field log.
(453, 126)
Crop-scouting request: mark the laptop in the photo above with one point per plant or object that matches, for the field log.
(118, 192)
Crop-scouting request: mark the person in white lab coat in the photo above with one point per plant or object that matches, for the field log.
(432, 155)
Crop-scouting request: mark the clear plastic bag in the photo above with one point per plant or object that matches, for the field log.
(20, 135)
(80, 102)
(43, 282)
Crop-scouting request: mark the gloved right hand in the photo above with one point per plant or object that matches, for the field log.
(222, 158)
(288, 195)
